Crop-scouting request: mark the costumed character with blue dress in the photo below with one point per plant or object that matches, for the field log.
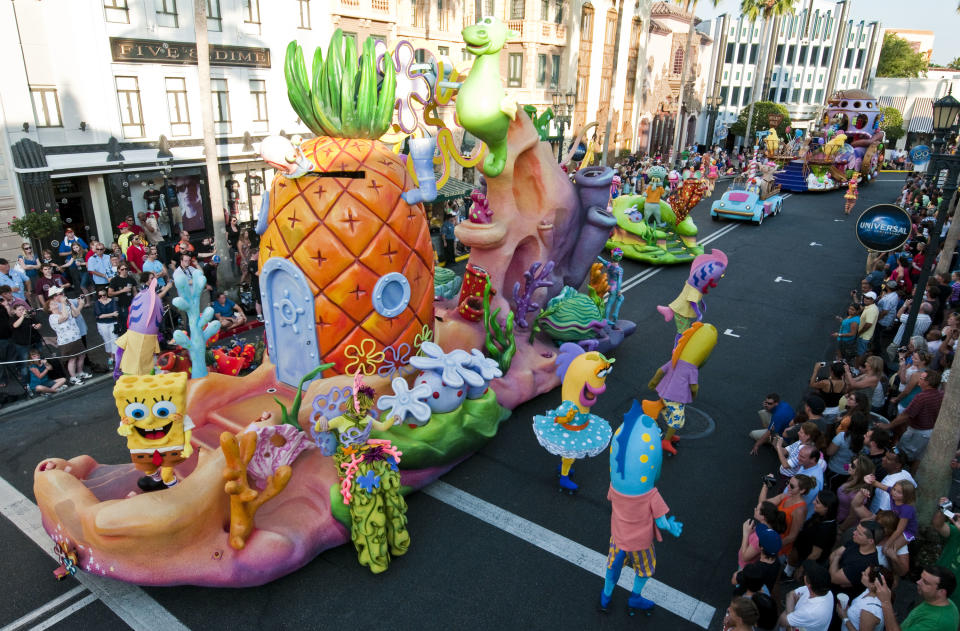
(571, 431)
(638, 510)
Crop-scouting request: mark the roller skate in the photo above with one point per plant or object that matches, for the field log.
(568, 485)
(638, 603)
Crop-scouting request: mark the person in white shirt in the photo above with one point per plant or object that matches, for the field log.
(811, 606)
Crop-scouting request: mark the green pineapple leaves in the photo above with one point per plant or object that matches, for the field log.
(340, 97)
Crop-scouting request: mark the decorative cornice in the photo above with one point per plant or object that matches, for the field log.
(667, 9)
(657, 27)
(143, 145)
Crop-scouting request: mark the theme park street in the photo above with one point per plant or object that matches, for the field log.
(494, 545)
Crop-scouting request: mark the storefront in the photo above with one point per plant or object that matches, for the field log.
(72, 195)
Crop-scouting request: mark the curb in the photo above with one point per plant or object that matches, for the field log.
(27, 403)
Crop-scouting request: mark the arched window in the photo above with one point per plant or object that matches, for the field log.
(678, 61)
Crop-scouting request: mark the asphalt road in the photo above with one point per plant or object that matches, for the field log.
(523, 570)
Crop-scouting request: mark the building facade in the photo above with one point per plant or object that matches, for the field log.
(97, 131)
(660, 92)
(914, 99)
(816, 51)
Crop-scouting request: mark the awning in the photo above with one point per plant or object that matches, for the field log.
(897, 102)
(455, 189)
(921, 120)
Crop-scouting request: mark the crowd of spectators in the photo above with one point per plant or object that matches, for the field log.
(46, 300)
(835, 527)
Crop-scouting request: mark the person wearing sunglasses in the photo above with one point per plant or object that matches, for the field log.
(98, 266)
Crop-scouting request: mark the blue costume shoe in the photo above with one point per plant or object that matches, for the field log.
(604, 605)
(639, 603)
(568, 485)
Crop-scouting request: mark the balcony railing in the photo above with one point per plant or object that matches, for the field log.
(381, 6)
(350, 4)
(516, 25)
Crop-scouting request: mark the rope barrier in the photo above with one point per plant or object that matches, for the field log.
(29, 361)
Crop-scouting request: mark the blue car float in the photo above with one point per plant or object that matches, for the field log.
(748, 202)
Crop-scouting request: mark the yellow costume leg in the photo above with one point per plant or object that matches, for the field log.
(168, 476)
(565, 465)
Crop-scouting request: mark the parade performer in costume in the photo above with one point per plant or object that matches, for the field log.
(852, 193)
(712, 172)
(369, 481)
(153, 419)
(639, 511)
(677, 381)
(705, 271)
(137, 347)
(614, 274)
(571, 431)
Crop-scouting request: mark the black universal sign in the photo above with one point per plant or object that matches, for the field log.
(883, 227)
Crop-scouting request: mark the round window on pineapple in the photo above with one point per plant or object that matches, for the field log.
(391, 294)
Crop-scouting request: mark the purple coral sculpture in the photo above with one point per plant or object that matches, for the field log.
(532, 281)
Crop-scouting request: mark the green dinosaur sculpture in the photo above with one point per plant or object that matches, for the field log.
(484, 109)
(541, 123)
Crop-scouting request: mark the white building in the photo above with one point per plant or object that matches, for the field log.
(914, 99)
(101, 102)
(817, 51)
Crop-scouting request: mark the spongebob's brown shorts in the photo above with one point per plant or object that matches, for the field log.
(144, 461)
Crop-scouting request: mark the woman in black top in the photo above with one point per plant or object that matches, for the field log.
(819, 533)
(23, 328)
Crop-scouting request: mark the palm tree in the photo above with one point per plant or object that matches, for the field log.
(690, 6)
(769, 11)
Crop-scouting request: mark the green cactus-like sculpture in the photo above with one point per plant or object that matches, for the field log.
(500, 343)
(190, 287)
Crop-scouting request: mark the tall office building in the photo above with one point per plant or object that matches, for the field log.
(816, 51)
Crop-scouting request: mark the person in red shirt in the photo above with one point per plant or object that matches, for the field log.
(135, 254)
(134, 228)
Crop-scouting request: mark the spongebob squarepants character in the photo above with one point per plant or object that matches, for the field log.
(152, 417)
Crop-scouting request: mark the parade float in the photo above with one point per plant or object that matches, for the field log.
(382, 372)
(848, 140)
(653, 230)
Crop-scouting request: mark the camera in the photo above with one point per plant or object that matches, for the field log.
(946, 508)
(769, 480)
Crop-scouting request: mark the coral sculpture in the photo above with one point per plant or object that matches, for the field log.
(202, 325)
(533, 279)
(245, 500)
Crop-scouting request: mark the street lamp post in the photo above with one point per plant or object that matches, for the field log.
(562, 110)
(945, 168)
(713, 109)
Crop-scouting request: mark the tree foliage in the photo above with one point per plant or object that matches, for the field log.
(955, 64)
(757, 9)
(892, 124)
(760, 111)
(898, 59)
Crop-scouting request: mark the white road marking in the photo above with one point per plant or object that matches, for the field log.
(730, 333)
(781, 279)
(633, 281)
(814, 243)
(674, 601)
(42, 609)
(129, 602)
(64, 613)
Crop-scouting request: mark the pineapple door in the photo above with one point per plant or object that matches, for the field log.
(288, 319)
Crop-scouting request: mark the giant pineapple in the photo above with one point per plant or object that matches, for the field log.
(345, 233)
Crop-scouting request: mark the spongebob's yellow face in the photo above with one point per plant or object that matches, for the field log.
(154, 406)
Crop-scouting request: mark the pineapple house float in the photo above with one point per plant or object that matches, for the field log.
(382, 372)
